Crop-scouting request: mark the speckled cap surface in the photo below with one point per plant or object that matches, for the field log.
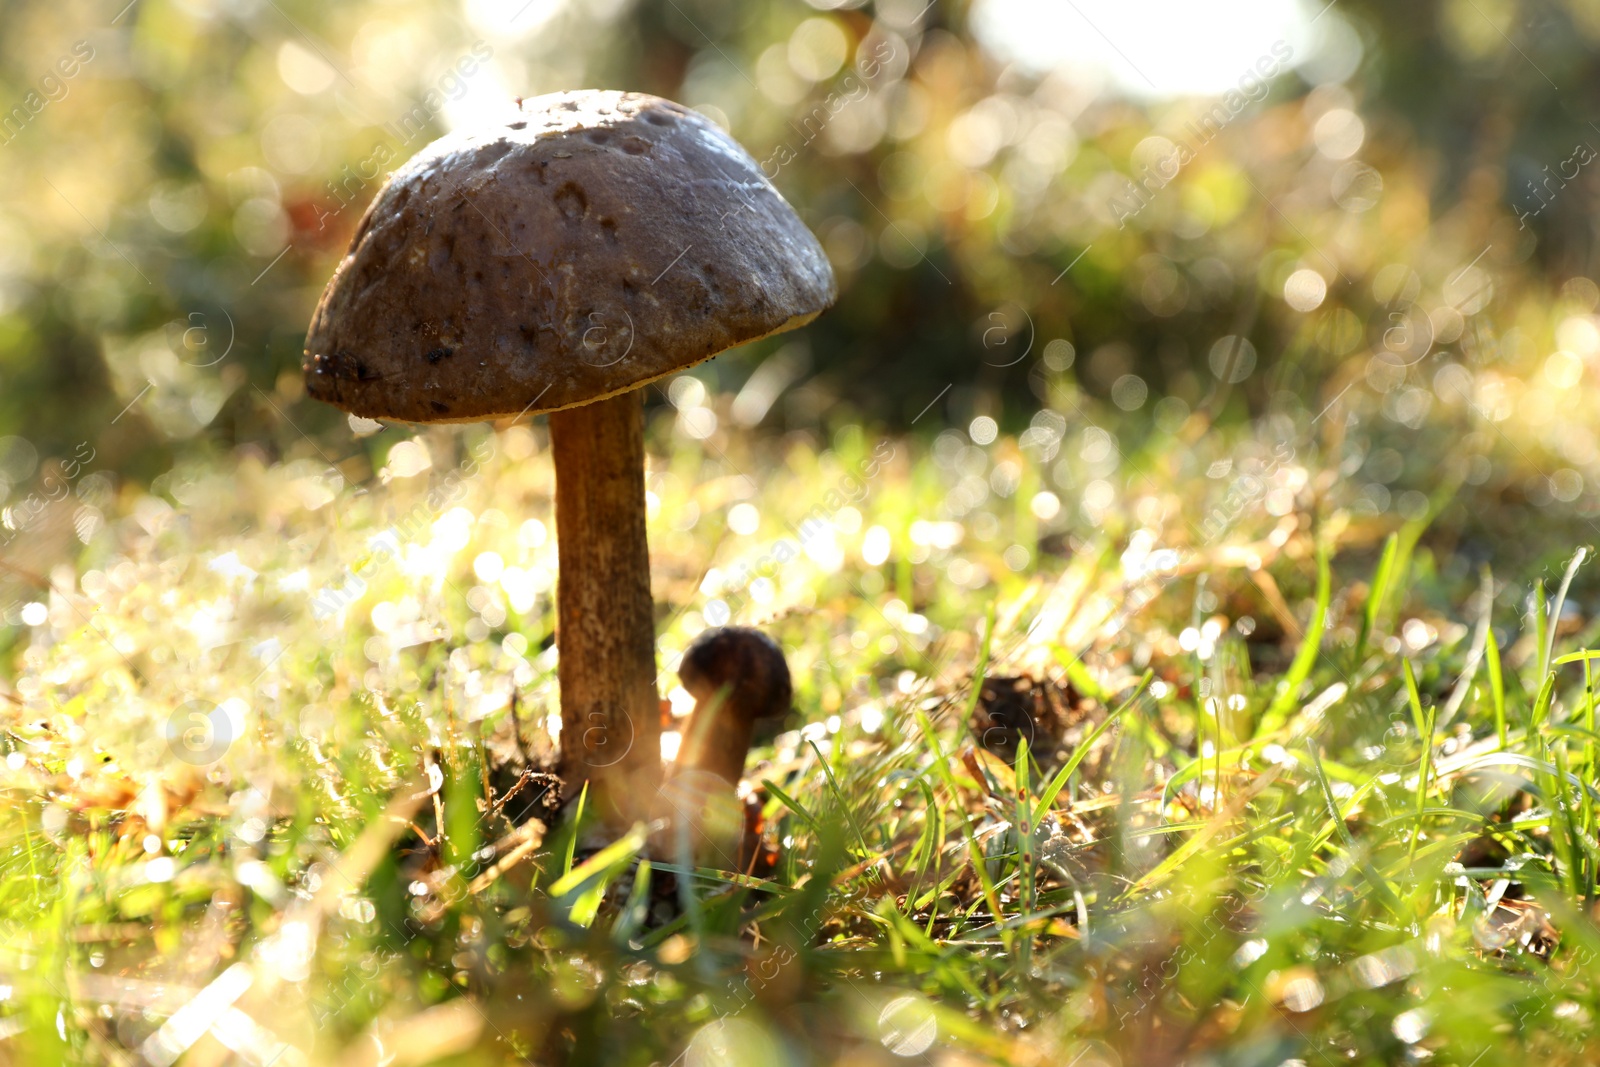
(597, 242)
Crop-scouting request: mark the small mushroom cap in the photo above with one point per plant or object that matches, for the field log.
(598, 241)
(746, 661)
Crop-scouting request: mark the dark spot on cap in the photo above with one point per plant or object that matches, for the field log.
(571, 201)
(440, 353)
(343, 365)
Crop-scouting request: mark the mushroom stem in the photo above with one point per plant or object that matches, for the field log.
(737, 676)
(717, 739)
(605, 626)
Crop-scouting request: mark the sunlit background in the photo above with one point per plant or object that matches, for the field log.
(1110, 188)
(1124, 284)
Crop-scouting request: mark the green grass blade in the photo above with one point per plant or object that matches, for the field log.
(1377, 593)
(633, 916)
(580, 890)
(1379, 884)
(1026, 824)
(1414, 698)
(1497, 684)
(1306, 657)
(1078, 675)
(1327, 795)
(575, 822)
(1588, 760)
(1548, 645)
(1565, 843)
(925, 853)
(1546, 699)
(793, 805)
(1051, 791)
(975, 855)
(838, 796)
(1425, 764)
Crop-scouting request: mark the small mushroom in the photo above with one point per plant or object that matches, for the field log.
(558, 263)
(738, 678)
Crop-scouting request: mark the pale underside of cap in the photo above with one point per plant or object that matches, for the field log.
(598, 242)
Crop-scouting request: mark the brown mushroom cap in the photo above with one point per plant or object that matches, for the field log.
(740, 668)
(596, 243)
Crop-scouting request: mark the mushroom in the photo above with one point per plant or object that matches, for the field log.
(738, 678)
(559, 262)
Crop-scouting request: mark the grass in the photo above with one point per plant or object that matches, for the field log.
(1293, 809)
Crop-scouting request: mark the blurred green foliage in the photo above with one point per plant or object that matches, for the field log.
(1392, 210)
(1349, 294)
(199, 139)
